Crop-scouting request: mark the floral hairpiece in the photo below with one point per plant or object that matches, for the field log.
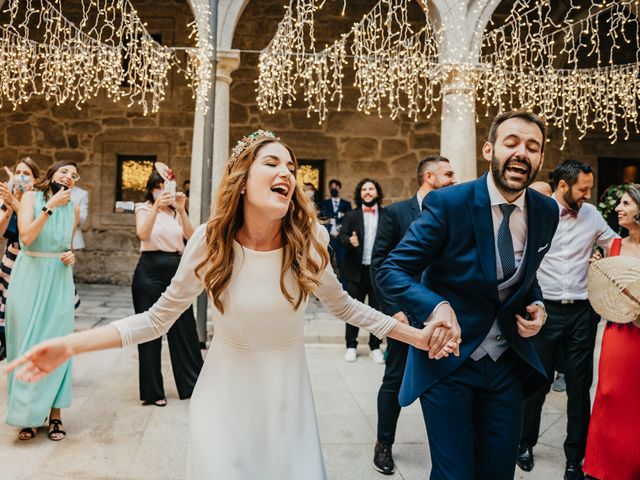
(247, 140)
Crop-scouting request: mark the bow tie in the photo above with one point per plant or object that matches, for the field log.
(567, 211)
(369, 209)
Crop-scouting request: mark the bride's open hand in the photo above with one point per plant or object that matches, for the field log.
(40, 361)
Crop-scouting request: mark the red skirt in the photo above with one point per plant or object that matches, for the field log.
(613, 443)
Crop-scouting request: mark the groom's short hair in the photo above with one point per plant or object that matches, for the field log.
(524, 115)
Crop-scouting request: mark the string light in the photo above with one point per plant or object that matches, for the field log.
(402, 71)
(110, 50)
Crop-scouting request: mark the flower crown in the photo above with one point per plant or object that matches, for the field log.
(247, 140)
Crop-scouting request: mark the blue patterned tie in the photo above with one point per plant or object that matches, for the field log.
(505, 242)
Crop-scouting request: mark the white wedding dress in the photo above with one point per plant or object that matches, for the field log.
(252, 414)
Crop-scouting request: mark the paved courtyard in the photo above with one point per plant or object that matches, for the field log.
(111, 436)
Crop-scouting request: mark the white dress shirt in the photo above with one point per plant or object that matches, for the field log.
(370, 229)
(517, 223)
(81, 198)
(563, 272)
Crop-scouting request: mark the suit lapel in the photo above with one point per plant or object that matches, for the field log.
(483, 228)
(361, 223)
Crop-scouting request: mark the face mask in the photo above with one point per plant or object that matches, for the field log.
(310, 193)
(156, 195)
(23, 182)
(55, 187)
(334, 192)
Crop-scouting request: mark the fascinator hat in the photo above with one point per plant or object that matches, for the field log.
(614, 288)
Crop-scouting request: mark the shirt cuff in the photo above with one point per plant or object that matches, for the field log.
(435, 310)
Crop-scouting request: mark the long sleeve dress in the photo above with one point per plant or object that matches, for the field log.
(252, 413)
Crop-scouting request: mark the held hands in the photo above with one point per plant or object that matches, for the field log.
(528, 327)
(68, 257)
(353, 239)
(40, 361)
(446, 337)
(59, 199)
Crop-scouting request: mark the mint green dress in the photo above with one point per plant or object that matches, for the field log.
(40, 305)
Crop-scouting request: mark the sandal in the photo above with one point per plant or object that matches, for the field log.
(55, 433)
(27, 433)
(162, 402)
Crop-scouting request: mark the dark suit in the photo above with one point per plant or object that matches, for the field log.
(327, 213)
(356, 275)
(391, 229)
(473, 409)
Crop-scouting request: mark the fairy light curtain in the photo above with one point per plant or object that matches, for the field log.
(42, 52)
(579, 71)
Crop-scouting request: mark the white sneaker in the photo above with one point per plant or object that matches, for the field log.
(377, 356)
(350, 355)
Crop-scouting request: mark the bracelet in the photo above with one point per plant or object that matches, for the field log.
(47, 210)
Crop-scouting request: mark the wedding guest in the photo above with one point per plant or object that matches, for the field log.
(80, 197)
(612, 442)
(162, 225)
(21, 180)
(333, 210)
(357, 236)
(40, 298)
(259, 257)
(572, 323)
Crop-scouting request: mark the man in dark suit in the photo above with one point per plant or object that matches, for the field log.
(433, 172)
(332, 211)
(480, 243)
(357, 236)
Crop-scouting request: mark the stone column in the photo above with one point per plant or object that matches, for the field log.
(228, 62)
(458, 124)
(463, 23)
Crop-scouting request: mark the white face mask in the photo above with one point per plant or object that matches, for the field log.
(156, 194)
(310, 193)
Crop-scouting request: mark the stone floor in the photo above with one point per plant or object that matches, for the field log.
(111, 436)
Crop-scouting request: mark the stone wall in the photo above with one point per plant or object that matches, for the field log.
(96, 133)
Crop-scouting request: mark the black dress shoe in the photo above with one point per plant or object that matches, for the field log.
(573, 471)
(525, 458)
(383, 459)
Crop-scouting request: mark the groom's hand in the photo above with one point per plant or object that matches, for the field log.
(445, 340)
(528, 327)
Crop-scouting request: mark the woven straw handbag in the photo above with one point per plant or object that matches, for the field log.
(614, 288)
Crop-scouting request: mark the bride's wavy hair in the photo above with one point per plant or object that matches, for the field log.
(303, 254)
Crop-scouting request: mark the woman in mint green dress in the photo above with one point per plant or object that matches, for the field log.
(40, 299)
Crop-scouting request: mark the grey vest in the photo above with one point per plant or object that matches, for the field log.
(494, 343)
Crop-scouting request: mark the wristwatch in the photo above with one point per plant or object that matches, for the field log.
(47, 210)
(544, 310)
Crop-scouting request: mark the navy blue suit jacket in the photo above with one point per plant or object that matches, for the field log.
(391, 228)
(453, 240)
(327, 212)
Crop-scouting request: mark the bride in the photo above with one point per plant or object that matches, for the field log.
(259, 258)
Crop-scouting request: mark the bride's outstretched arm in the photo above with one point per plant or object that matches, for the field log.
(45, 357)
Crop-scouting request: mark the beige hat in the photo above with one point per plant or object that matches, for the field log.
(614, 288)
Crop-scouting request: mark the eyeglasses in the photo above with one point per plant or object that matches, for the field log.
(74, 176)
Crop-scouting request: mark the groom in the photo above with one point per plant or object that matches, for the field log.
(481, 243)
